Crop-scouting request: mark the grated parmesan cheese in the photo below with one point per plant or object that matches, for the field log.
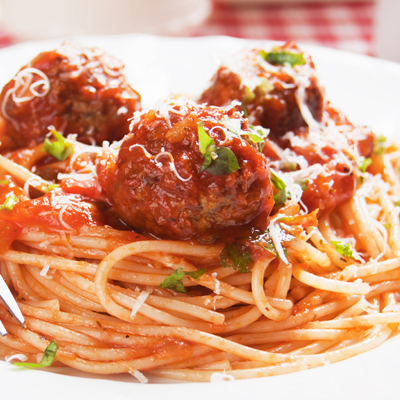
(19, 357)
(218, 377)
(139, 302)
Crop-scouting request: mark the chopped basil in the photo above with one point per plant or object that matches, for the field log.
(303, 183)
(205, 141)
(51, 187)
(285, 58)
(397, 203)
(379, 145)
(9, 203)
(265, 86)
(59, 148)
(387, 226)
(257, 134)
(281, 196)
(344, 249)
(236, 255)
(288, 165)
(225, 163)
(174, 281)
(218, 160)
(196, 274)
(244, 109)
(248, 94)
(265, 240)
(5, 182)
(48, 357)
(363, 163)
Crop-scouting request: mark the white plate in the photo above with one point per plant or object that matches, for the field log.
(366, 89)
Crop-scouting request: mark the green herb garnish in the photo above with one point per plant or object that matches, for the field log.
(257, 134)
(4, 182)
(303, 183)
(218, 160)
(59, 148)
(236, 255)
(9, 203)
(265, 240)
(48, 357)
(196, 274)
(344, 249)
(281, 196)
(397, 203)
(363, 163)
(379, 145)
(51, 186)
(174, 281)
(285, 58)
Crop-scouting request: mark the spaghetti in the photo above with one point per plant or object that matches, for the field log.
(304, 287)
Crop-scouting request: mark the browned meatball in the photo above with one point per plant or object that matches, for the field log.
(158, 183)
(77, 90)
(270, 93)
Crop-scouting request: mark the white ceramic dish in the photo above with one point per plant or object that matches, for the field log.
(366, 89)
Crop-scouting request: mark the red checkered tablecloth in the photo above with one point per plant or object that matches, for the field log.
(346, 26)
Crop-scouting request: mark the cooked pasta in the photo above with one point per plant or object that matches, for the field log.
(202, 247)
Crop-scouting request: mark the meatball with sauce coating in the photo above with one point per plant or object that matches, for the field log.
(273, 94)
(161, 182)
(77, 90)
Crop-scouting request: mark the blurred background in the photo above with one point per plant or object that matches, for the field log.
(365, 26)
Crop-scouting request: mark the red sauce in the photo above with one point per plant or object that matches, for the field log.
(88, 95)
(151, 198)
(47, 212)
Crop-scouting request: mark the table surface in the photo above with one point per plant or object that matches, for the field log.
(345, 26)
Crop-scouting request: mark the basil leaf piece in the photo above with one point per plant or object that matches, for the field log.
(258, 133)
(397, 203)
(207, 157)
(4, 182)
(225, 163)
(379, 145)
(363, 163)
(236, 255)
(9, 202)
(265, 241)
(277, 181)
(51, 187)
(48, 357)
(344, 249)
(204, 139)
(59, 148)
(285, 58)
(174, 281)
(303, 183)
(281, 196)
(196, 274)
(218, 160)
(249, 95)
(244, 108)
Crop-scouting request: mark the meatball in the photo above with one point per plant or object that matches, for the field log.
(77, 90)
(272, 95)
(327, 159)
(161, 182)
